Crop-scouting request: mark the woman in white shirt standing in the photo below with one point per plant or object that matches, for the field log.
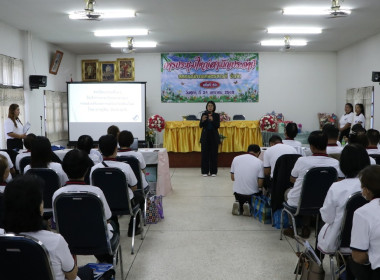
(345, 121)
(359, 117)
(14, 129)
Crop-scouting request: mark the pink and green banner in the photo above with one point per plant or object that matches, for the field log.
(199, 77)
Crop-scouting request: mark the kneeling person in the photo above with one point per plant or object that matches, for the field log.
(247, 172)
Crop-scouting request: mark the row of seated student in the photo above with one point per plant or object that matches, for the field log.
(74, 167)
(355, 173)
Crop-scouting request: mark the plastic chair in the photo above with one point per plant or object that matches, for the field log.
(354, 202)
(191, 118)
(376, 157)
(52, 183)
(81, 221)
(135, 165)
(23, 257)
(238, 118)
(114, 185)
(316, 183)
(24, 162)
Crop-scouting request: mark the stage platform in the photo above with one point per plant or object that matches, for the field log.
(193, 159)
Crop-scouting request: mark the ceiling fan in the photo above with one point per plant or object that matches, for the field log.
(287, 47)
(130, 48)
(88, 13)
(336, 11)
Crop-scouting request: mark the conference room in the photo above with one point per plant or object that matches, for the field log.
(199, 238)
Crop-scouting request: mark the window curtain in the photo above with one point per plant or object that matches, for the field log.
(362, 95)
(9, 96)
(56, 115)
(11, 72)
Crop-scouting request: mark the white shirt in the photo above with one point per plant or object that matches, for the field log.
(59, 253)
(334, 150)
(332, 212)
(296, 145)
(273, 153)
(57, 167)
(95, 156)
(20, 156)
(346, 118)
(91, 189)
(10, 164)
(129, 175)
(365, 233)
(304, 164)
(373, 151)
(359, 119)
(142, 163)
(9, 127)
(247, 169)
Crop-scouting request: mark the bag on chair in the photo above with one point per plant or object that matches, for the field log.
(154, 210)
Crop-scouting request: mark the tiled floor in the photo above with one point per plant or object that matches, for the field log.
(200, 238)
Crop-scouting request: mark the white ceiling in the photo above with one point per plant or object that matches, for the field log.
(191, 25)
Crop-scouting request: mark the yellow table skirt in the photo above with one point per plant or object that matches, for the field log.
(184, 136)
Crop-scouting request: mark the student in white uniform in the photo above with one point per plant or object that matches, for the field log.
(345, 121)
(41, 157)
(14, 129)
(332, 134)
(247, 173)
(108, 148)
(277, 149)
(354, 158)
(125, 142)
(365, 234)
(27, 152)
(359, 117)
(86, 143)
(318, 142)
(12, 171)
(291, 131)
(75, 165)
(4, 173)
(23, 209)
(373, 136)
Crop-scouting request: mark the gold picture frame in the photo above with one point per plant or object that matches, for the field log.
(90, 72)
(125, 69)
(54, 66)
(107, 71)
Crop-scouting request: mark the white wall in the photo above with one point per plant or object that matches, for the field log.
(299, 85)
(37, 55)
(355, 65)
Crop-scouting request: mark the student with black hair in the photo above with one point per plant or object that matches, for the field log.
(4, 172)
(247, 173)
(353, 159)
(332, 134)
(113, 130)
(108, 148)
(373, 136)
(209, 122)
(359, 117)
(86, 143)
(345, 121)
(27, 152)
(365, 234)
(23, 209)
(41, 157)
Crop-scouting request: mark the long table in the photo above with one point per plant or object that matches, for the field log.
(184, 136)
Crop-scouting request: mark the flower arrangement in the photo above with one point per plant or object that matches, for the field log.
(222, 137)
(325, 118)
(156, 122)
(268, 123)
(150, 135)
(224, 117)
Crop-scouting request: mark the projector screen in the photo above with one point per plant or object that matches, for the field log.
(93, 107)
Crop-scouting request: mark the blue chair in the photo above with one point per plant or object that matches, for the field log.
(23, 257)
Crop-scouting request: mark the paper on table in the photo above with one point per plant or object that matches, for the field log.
(26, 127)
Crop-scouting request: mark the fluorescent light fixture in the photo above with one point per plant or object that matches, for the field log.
(121, 32)
(282, 42)
(294, 30)
(135, 44)
(303, 11)
(105, 14)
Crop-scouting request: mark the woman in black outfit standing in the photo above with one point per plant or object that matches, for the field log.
(210, 141)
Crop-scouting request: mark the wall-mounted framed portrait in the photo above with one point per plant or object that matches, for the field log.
(90, 72)
(125, 69)
(107, 71)
(54, 66)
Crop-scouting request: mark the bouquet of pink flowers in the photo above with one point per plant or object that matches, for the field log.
(224, 117)
(156, 122)
(268, 123)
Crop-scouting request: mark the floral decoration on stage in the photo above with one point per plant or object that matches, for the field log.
(327, 118)
(224, 117)
(156, 122)
(150, 135)
(268, 123)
